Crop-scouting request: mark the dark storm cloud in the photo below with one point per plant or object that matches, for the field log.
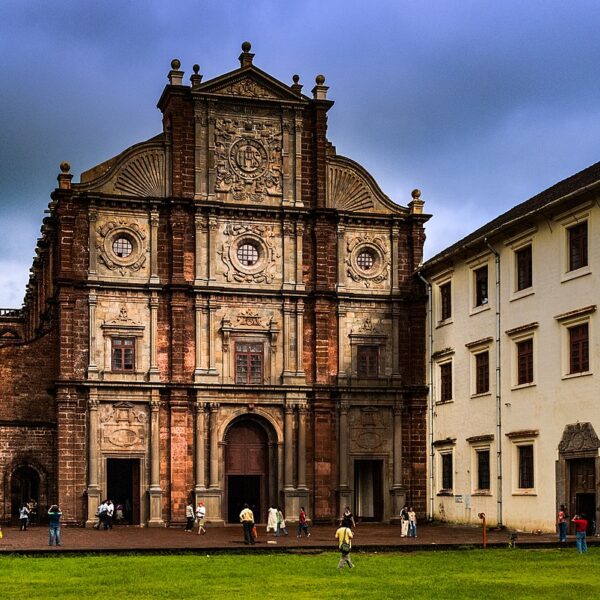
(479, 104)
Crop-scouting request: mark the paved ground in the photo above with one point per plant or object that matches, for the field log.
(367, 536)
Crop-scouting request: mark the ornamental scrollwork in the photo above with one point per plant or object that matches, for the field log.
(248, 158)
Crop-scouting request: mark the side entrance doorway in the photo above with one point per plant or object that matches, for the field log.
(24, 486)
(368, 490)
(582, 484)
(123, 487)
(246, 469)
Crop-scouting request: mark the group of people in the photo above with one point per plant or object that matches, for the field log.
(28, 513)
(408, 522)
(275, 522)
(193, 516)
(105, 514)
(581, 527)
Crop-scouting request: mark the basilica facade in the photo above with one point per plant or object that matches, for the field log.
(227, 313)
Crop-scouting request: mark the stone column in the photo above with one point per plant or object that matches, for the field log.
(342, 337)
(287, 338)
(288, 480)
(302, 447)
(289, 260)
(398, 489)
(200, 443)
(300, 338)
(341, 234)
(92, 369)
(211, 120)
(154, 247)
(344, 497)
(298, 160)
(299, 250)
(153, 304)
(395, 266)
(93, 217)
(198, 302)
(155, 491)
(201, 250)
(93, 490)
(214, 445)
(211, 247)
(396, 342)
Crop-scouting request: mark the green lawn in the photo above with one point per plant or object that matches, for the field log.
(513, 574)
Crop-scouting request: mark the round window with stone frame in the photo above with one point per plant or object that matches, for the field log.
(123, 246)
(249, 254)
(367, 260)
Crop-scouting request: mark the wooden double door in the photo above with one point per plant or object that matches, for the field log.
(246, 470)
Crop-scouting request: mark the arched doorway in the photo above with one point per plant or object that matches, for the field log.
(246, 469)
(24, 486)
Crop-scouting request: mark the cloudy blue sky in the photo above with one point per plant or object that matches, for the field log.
(479, 103)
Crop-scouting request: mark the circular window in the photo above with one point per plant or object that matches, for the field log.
(365, 260)
(247, 254)
(122, 246)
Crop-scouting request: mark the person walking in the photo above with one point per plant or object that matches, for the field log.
(581, 525)
(412, 523)
(23, 517)
(272, 519)
(344, 537)
(280, 523)
(561, 521)
(201, 515)
(190, 517)
(102, 510)
(110, 512)
(247, 521)
(54, 515)
(404, 521)
(347, 519)
(302, 524)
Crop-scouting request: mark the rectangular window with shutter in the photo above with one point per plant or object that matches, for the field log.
(249, 362)
(524, 268)
(446, 382)
(447, 471)
(482, 372)
(446, 301)
(483, 469)
(578, 246)
(525, 362)
(526, 475)
(481, 286)
(123, 354)
(367, 358)
(579, 360)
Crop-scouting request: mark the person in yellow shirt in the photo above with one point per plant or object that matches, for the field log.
(247, 521)
(344, 537)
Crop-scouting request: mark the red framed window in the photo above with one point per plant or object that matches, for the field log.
(367, 361)
(482, 372)
(578, 246)
(525, 362)
(123, 354)
(524, 268)
(249, 362)
(446, 300)
(446, 382)
(579, 347)
(481, 286)
(526, 475)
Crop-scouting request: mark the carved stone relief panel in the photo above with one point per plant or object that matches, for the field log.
(123, 426)
(579, 437)
(367, 260)
(122, 246)
(250, 253)
(370, 429)
(248, 158)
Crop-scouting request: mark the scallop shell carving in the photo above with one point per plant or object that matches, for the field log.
(143, 176)
(347, 191)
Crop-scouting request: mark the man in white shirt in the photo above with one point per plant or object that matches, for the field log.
(200, 515)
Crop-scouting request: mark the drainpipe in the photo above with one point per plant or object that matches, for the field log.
(498, 390)
(431, 394)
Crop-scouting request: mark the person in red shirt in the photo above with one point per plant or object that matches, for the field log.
(302, 524)
(581, 526)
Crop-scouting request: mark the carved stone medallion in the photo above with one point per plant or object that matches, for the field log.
(248, 158)
(123, 426)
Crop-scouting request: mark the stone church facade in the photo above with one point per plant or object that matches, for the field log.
(226, 312)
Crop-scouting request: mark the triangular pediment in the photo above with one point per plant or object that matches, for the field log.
(250, 82)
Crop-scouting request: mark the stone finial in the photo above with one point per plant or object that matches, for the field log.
(196, 78)
(416, 204)
(246, 56)
(319, 92)
(64, 177)
(175, 75)
(296, 87)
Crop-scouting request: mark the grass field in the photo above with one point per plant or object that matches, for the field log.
(489, 574)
